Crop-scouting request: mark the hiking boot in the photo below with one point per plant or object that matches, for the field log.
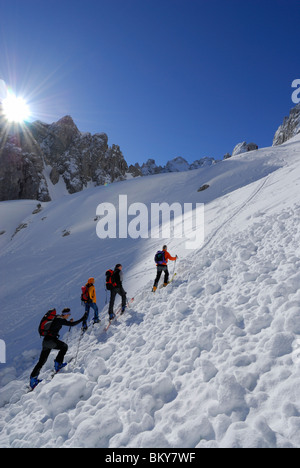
(34, 381)
(111, 316)
(154, 288)
(59, 365)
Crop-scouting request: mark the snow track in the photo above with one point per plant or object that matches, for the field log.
(255, 193)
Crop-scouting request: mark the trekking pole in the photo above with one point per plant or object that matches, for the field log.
(78, 345)
(174, 266)
(68, 335)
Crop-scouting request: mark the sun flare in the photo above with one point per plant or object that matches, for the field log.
(15, 109)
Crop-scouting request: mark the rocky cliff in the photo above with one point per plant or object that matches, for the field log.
(177, 164)
(289, 128)
(76, 158)
(243, 147)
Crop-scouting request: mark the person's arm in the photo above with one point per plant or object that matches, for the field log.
(121, 278)
(70, 323)
(92, 293)
(117, 278)
(168, 256)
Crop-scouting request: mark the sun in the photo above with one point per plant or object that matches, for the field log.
(15, 108)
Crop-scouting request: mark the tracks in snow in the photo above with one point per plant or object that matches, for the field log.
(238, 211)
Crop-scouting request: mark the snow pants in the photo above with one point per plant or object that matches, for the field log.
(113, 294)
(94, 306)
(160, 270)
(50, 343)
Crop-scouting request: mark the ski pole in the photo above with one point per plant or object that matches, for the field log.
(68, 335)
(78, 345)
(105, 289)
(175, 265)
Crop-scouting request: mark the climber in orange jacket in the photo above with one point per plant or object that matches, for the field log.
(92, 290)
(161, 259)
(91, 303)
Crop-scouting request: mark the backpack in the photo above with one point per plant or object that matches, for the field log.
(46, 322)
(109, 280)
(85, 297)
(160, 257)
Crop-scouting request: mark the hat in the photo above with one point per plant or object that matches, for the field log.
(91, 280)
(65, 311)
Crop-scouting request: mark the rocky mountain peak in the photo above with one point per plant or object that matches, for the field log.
(38, 154)
(289, 128)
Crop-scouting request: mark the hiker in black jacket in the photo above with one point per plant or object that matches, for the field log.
(51, 341)
(117, 289)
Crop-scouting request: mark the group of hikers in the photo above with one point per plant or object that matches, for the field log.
(52, 323)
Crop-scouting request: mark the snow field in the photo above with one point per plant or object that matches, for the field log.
(212, 360)
(206, 362)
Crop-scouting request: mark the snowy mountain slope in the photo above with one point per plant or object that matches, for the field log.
(50, 267)
(209, 361)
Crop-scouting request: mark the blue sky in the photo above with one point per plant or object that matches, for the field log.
(163, 78)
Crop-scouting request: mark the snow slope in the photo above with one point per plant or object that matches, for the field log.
(210, 361)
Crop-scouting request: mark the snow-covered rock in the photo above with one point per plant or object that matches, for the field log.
(150, 168)
(289, 128)
(243, 148)
(30, 168)
(178, 164)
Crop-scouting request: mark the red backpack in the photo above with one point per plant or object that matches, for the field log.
(46, 322)
(85, 297)
(109, 280)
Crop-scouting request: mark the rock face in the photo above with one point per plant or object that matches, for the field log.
(78, 158)
(81, 157)
(150, 168)
(289, 128)
(21, 174)
(243, 148)
(177, 164)
(227, 156)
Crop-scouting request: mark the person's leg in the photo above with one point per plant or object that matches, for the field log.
(113, 293)
(158, 275)
(42, 360)
(63, 348)
(87, 311)
(48, 344)
(166, 271)
(124, 299)
(96, 313)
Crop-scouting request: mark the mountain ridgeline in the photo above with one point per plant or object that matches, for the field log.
(36, 155)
